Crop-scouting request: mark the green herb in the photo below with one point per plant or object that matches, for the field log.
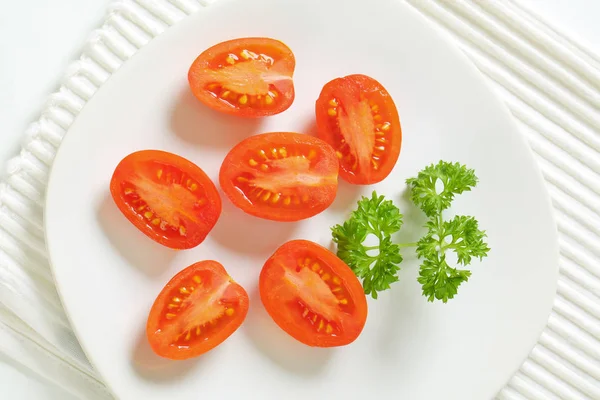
(381, 218)
(455, 179)
(432, 191)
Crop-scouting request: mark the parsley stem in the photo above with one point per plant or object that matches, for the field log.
(412, 244)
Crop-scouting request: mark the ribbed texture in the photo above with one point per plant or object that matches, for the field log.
(40, 338)
(550, 84)
(552, 88)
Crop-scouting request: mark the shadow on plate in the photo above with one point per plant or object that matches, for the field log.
(311, 128)
(247, 234)
(139, 250)
(402, 308)
(195, 123)
(404, 298)
(413, 226)
(149, 366)
(347, 196)
(280, 347)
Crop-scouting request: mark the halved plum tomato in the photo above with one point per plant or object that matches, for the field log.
(168, 198)
(196, 311)
(281, 176)
(313, 295)
(248, 77)
(358, 117)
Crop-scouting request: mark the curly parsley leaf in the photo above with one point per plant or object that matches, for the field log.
(453, 178)
(381, 218)
(461, 234)
(439, 280)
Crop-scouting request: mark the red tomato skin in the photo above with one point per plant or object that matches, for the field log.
(323, 195)
(166, 350)
(214, 199)
(207, 58)
(385, 102)
(272, 299)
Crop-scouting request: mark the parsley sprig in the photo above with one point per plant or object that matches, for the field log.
(381, 218)
(432, 190)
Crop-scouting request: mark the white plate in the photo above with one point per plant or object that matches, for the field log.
(108, 273)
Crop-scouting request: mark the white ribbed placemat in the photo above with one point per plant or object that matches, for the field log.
(550, 84)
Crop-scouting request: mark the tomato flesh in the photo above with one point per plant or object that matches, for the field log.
(313, 295)
(248, 77)
(282, 176)
(167, 197)
(357, 116)
(196, 311)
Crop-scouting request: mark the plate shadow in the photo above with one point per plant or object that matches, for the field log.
(139, 250)
(246, 234)
(347, 197)
(413, 226)
(197, 124)
(150, 366)
(280, 347)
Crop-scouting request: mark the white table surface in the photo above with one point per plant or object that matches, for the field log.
(38, 40)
